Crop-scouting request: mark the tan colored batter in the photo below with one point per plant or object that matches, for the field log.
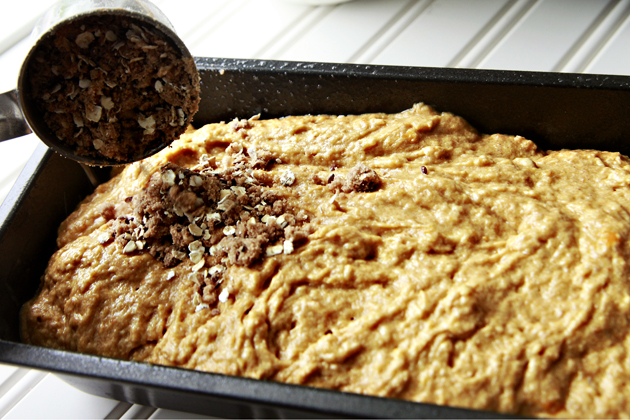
(480, 273)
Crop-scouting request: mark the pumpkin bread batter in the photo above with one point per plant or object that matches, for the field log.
(402, 255)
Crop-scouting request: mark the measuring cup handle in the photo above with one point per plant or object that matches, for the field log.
(12, 122)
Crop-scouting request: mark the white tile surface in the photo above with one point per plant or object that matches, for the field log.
(138, 412)
(21, 389)
(503, 23)
(17, 19)
(613, 57)
(339, 36)
(249, 33)
(207, 14)
(10, 63)
(593, 45)
(9, 377)
(54, 399)
(440, 33)
(170, 414)
(535, 43)
(13, 156)
(6, 372)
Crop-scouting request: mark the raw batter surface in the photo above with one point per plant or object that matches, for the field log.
(399, 255)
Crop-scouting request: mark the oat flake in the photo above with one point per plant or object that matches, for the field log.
(201, 307)
(287, 178)
(224, 295)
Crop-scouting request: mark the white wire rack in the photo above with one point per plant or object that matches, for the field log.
(582, 36)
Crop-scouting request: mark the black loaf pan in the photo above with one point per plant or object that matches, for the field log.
(556, 110)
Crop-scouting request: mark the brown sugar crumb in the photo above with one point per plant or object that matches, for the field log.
(359, 179)
(362, 179)
(214, 218)
(336, 183)
(111, 87)
(261, 158)
(317, 179)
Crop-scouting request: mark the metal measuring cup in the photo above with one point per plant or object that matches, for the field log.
(19, 114)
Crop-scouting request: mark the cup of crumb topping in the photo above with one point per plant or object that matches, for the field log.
(107, 82)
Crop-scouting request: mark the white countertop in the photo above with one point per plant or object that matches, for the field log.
(582, 36)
